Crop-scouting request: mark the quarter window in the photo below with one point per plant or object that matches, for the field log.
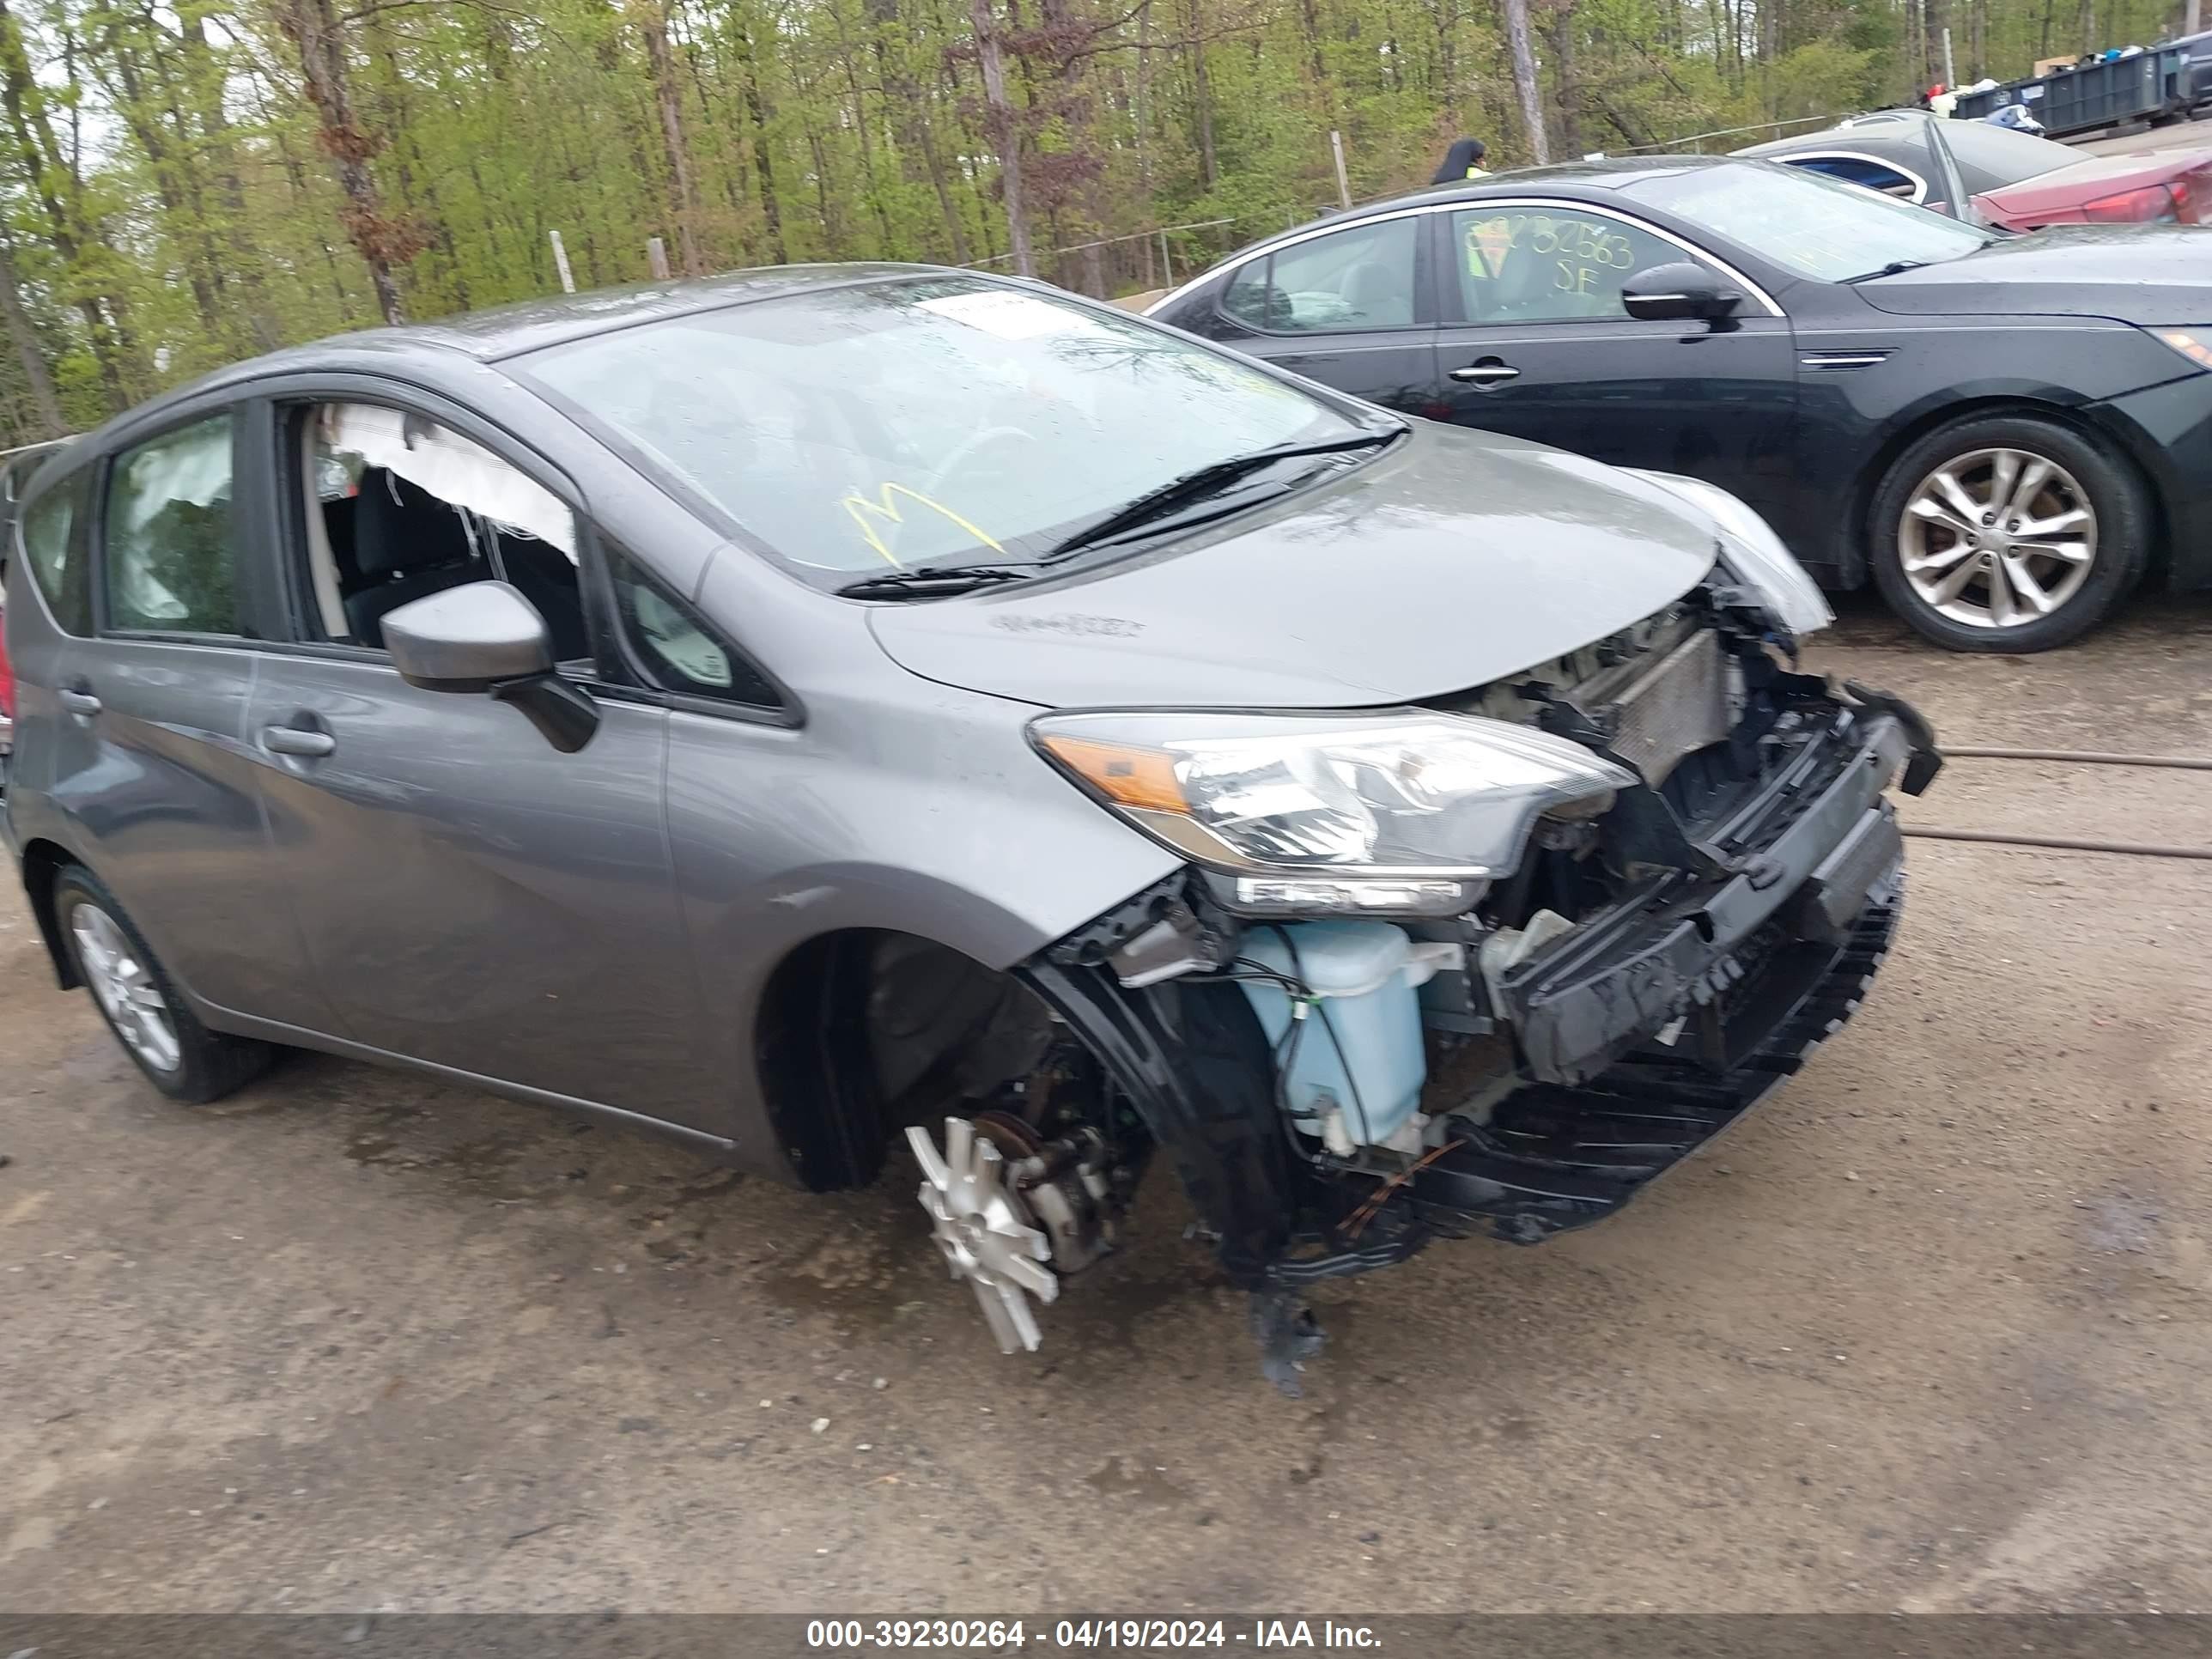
(1522, 264)
(677, 649)
(168, 533)
(1362, 277)
(55, 556)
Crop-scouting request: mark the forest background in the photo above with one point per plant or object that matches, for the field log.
(182, 185)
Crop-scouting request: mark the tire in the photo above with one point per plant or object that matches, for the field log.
(2016, 597)
(156, 1027)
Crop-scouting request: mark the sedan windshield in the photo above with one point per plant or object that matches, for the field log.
(864, 430)
(1817, 227)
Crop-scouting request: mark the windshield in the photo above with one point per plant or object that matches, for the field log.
(1990, 158)
(1815, 226)
(860, 431)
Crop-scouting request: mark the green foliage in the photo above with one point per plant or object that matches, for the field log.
(182, 185)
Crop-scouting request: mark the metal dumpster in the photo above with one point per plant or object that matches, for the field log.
(2105, 94)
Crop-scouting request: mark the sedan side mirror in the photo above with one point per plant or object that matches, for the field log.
(486, 637)
(1683, 289)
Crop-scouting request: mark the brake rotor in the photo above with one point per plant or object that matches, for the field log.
(984, 1229)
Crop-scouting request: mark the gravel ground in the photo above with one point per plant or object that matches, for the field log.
(1928, 1332)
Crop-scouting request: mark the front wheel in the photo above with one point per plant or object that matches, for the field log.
(2008, 533)
(139, 1001)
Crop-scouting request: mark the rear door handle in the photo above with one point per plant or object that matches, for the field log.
(1488, 373)
(291, 740)
(78, 703)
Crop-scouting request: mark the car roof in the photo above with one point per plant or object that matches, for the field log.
(508, 330)
(1610, 173)
(1860, 128)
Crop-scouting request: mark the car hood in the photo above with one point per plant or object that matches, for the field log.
(2143, 274)
(2096, 176)
(1455, 558)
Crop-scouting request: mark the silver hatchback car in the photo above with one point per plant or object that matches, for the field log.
(795, 708)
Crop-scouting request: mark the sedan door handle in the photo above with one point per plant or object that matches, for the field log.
(78, 703)
(291, 740)
(1486, 374)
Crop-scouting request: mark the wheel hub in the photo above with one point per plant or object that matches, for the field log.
(124, 988)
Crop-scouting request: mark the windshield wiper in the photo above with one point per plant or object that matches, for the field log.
(930, 581)
(1195, 485)
(1895, 267)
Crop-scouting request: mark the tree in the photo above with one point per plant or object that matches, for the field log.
(1524, 79)
(384, 242)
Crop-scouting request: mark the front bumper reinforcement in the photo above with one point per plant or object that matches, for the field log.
(1680, 952)
(1554, 1157)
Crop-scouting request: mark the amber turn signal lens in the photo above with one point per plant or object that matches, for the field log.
(1127, 777)
(2191, 342)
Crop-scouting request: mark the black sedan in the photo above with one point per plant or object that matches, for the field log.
(2004, 432)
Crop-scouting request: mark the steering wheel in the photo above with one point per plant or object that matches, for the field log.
(968, 452)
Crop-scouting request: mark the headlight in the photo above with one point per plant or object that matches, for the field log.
(1756, 553)
(1390, 795)
(2194, 344)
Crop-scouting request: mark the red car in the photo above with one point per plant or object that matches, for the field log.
(2014, 179)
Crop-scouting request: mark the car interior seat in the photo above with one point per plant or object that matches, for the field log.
(546, 576)
(1378, 293)
(406, 544)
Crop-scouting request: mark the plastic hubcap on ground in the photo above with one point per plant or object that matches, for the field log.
(1998, 538)
(125, 987)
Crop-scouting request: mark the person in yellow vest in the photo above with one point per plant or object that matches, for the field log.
(1462, 161)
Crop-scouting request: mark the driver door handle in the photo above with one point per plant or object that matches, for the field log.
(1489, 372)
(291, 740)
(78, 703)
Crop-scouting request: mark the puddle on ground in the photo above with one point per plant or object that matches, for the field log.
(484, 1166)
(1117, 1477)
(855, 1280)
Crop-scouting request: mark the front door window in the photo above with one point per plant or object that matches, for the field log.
(1533, 265)
(399, 506)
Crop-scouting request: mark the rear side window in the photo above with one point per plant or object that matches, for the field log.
(1360, 277)
(55, 556)
(678, 651)
(1868, 174)
(168, 534)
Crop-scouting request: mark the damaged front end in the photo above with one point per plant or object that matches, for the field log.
(1667, 873)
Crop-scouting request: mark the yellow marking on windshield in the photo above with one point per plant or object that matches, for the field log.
(867, 515)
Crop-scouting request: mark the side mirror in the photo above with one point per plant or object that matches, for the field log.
(468, 639)
(1683, 289)
(486, 637)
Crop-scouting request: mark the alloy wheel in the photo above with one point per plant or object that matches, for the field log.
(1997, 537)
(124, 986)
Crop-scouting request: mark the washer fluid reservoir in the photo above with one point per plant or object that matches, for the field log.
(1355, 1071)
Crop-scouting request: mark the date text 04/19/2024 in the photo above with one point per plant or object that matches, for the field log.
(1140, 1635)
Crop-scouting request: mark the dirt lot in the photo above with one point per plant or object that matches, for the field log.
(1930, 1331)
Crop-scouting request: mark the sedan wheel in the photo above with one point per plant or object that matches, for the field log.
(1998, 538)
(125, 990)
(2010, 531)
